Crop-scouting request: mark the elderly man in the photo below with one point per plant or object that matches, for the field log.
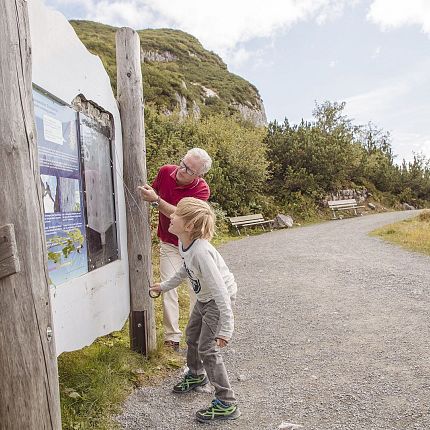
(172, 184)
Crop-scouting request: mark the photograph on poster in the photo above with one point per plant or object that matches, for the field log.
(70, 195)
(49, 193)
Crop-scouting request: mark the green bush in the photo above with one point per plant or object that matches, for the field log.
(222, 224)
(301, 207)
(330, 153)
(313, 157)
(239, 171)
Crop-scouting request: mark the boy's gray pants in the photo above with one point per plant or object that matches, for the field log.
(203, 352)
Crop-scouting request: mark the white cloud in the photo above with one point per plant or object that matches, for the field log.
(407, 143)
(330, 12)
(397, 13)
(389, 107)
(394, 95)
(386, 108)
(377, 102)
(220, 25)
(376, 52)
(239, 57)
(67, 2)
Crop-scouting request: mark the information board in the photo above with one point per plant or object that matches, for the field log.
(60, 176)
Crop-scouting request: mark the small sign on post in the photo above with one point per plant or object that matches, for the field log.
(9, 261)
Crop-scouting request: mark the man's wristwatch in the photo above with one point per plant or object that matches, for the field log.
(156, 203)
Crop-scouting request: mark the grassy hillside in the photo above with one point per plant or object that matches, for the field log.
(189, 67)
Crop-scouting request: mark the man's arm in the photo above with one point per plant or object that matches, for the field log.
(165, 208)
(150, 195)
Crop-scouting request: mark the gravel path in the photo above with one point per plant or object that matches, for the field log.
(332, 332)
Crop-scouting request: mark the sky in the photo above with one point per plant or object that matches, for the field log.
(372, 54)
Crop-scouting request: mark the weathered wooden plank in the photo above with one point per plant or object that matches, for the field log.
(340, 207)
(29, 394)
(130, 98)
(9, 266)
(347, 202)
(246, 217)
(9, 261)
(250, 223)
(257, 221)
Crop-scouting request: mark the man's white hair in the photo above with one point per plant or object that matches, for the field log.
(203, 156)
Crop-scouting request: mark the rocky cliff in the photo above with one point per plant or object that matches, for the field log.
(178, 73)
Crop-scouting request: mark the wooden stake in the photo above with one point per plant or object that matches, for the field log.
(130, 98)
(29, 393)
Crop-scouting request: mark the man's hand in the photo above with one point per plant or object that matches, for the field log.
(221, 342)
(148, 193)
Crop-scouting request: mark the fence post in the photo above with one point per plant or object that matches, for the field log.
(29, 392)
(130, 99)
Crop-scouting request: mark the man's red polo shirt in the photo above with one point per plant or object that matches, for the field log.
(166, 187)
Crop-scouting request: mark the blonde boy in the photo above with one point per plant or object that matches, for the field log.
(211, 322)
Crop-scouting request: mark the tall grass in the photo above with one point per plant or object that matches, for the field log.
(96, 380)
(412, 234)
(424, 216)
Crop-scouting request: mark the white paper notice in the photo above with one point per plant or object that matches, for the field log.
(52, 129)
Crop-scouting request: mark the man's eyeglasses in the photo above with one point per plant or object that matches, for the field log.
(183, 166)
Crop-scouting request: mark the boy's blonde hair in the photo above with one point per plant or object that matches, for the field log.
(199, 215)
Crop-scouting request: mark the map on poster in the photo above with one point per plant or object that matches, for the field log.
(60, 177)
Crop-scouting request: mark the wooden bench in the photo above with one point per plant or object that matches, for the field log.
(341, 205)
(249, 220)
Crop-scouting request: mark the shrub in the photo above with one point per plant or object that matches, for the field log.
(424, 216)
(221, 219)
(239, 170)
(301, 206)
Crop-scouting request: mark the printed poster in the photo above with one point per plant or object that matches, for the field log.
(61, 182)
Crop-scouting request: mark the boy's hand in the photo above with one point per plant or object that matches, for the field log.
(221, 342)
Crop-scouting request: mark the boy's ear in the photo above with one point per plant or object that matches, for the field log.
(189, 227)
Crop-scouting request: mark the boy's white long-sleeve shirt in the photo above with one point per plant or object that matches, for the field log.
(210, 278)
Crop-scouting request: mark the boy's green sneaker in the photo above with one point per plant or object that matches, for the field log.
(190, 382)
(218, 411)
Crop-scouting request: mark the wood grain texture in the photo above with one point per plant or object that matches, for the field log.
(130, 99)
(29, 392)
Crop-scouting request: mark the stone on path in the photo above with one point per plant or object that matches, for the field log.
(282, 221)
(408, 207)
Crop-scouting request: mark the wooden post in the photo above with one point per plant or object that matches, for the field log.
(130, 99)
(29, 392)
